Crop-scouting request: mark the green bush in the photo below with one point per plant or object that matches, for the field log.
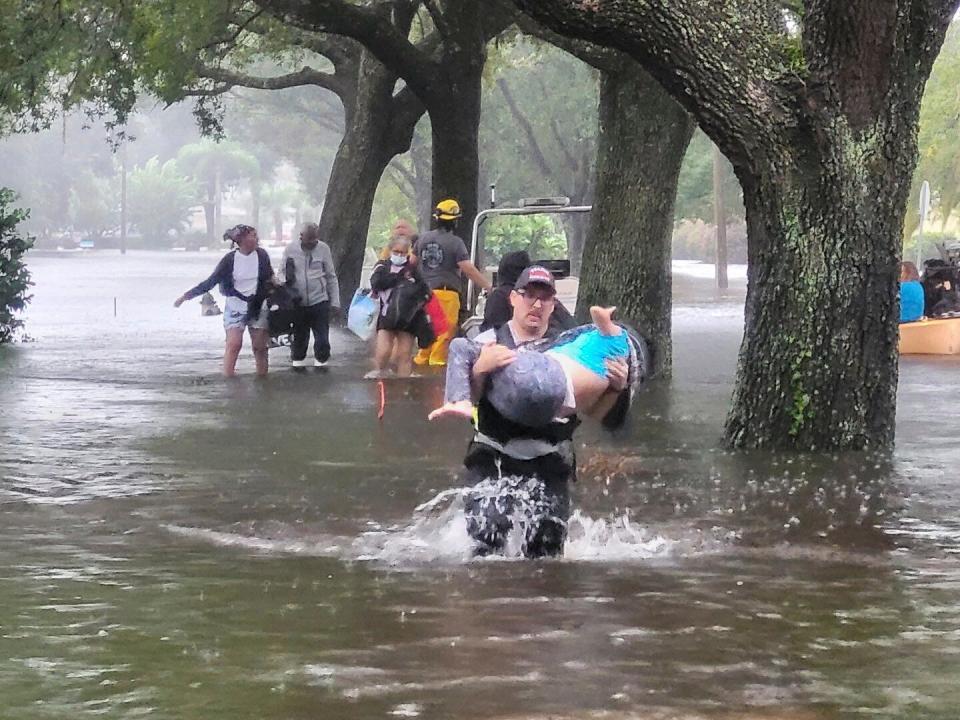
(14, 276)
(161, 200)
(540, 235)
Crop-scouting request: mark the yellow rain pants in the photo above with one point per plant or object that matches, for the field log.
(436, 354)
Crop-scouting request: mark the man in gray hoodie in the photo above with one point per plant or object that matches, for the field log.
(309, 270)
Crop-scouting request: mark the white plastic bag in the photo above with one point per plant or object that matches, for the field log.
(362, 316)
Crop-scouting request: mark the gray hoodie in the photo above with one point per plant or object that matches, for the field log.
(312, 273)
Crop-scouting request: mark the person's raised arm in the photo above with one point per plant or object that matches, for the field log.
(207, 285)
(471, 271)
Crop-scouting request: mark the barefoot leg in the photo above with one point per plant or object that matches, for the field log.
(603, 319)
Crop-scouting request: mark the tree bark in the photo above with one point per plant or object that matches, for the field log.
(720, 220)
(818, 364)
(444, 70)
(626, 260)
(378, 127)
(821, 131)
(455, 151)
(453, 102)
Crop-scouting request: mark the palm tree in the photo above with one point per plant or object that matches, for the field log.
(280, 202)
(217, 165)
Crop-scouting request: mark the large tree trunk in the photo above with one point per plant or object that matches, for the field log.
(378, 127)
(455, 131)
(818, 362)
(626, 260)
(820, 126)
(345, 219)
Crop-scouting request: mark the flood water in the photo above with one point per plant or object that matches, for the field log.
(177, 545)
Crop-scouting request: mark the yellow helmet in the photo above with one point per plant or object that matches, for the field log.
(448, 209)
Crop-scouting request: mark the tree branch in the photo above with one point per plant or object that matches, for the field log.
(230, 39)
(204, 92)
(715, 59)
(341, 51)
(407, 110)
(601, 58)
(572, 163)
(408, 177)
(527, 129)
(304, 76)
(368, 27)
(437, 17)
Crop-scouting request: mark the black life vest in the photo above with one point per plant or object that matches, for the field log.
(491, 424)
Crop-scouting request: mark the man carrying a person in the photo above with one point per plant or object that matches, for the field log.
(521, 475)
(443, 259)
(309, 271)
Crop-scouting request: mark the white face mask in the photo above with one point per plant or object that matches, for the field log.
(398, 258)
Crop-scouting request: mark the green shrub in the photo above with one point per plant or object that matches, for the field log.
(14, 276)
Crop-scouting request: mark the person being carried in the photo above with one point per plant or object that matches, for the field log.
(550, 379)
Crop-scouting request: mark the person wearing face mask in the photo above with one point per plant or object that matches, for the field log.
(309, 271)
(398, 284)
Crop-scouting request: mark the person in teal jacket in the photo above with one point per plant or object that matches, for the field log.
(911, 293)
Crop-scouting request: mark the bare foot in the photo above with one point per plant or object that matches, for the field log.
(603, 319)
(461, 408)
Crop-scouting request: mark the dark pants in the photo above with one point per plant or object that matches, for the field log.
(314, 318)
(525, 503)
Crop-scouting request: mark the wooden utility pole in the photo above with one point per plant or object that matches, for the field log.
(720, 219)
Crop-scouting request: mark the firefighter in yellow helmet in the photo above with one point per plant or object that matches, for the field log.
(444, 260)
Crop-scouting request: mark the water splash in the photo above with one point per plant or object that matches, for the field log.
(437, 534)
(614, 539)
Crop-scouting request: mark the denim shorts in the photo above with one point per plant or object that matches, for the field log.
(235, 317)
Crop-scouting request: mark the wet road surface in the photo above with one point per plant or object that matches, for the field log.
(176, 545)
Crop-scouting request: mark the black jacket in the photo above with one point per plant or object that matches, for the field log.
(558, 466)
(223, 276)
(410, 293)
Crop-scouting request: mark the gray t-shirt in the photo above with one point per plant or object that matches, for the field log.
(439, 251)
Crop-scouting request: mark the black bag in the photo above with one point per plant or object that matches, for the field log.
(422, 329)
(282, 306)
(406, 301)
